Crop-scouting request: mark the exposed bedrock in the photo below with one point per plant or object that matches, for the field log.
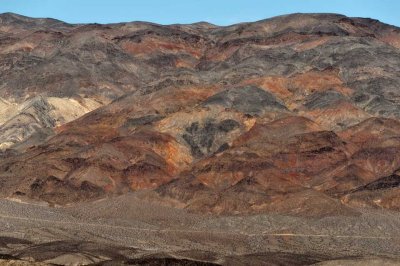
(296, 114)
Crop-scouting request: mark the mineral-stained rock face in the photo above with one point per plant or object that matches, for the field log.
(297, 114)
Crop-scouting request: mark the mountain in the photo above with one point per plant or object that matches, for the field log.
(273, 142)
(298, 114)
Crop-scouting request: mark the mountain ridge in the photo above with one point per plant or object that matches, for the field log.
(257, 117)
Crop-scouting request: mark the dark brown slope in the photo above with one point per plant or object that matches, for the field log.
(288, 115)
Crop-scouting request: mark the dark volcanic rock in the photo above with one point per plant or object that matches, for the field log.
(392, 181)
(248, 100)
(201, 138)
(323, 99)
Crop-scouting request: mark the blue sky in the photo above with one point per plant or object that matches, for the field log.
(220, 12)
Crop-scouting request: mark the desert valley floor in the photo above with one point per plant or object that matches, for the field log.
(127, 229)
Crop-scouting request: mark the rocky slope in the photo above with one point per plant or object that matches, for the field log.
(297, 114)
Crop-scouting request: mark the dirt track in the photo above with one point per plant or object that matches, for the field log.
(189, 231)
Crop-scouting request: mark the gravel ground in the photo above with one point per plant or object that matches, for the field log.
(127, 227)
